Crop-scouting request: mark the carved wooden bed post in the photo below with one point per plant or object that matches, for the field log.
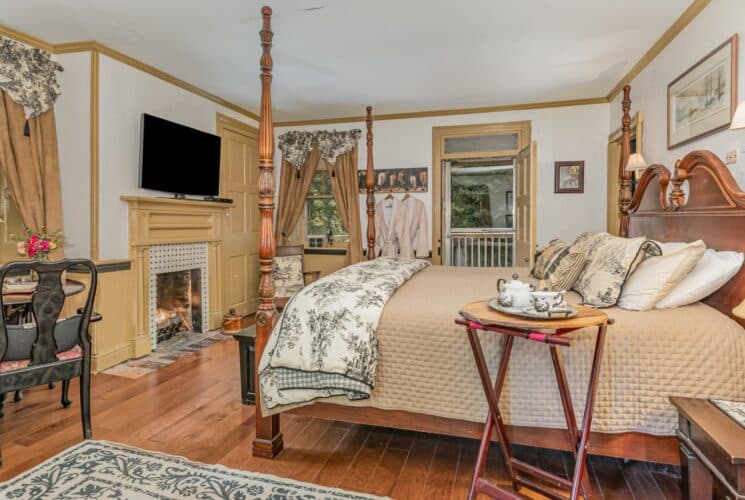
(624, 177)
(370, 184)
(268, 436)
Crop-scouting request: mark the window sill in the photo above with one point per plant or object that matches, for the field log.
(325, 251)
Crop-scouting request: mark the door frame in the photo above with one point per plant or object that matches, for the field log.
(439, 134)
(612, 219)
(224, 122)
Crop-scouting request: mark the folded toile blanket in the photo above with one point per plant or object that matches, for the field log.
(324, 343)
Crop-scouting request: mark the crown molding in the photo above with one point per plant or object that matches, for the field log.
(26, 38)
(449, 112)
(668, 36)
(93, 46)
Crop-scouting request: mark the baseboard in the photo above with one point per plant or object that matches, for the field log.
(141, 346)
(119, 354)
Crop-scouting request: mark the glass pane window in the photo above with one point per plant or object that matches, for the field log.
(321, 213)
(481, 143)
(481, 197)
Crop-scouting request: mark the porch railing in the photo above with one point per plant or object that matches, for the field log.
(482, 249)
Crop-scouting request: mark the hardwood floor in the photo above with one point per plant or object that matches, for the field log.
(192, 408)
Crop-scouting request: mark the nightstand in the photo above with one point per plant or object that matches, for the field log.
(246, 338)
(712, 450)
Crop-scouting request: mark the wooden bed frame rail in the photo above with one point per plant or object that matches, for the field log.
(714, 212)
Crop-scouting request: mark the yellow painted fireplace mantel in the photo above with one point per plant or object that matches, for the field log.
(159, 221)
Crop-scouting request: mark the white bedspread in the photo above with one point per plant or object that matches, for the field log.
(325, 342)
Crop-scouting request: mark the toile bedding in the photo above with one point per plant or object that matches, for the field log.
(325, 341)
(425, 364)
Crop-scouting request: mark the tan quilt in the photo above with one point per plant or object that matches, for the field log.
(426, 364)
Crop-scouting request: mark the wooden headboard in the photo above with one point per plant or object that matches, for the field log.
(699, 201)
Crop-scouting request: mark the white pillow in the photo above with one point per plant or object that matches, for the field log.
(656, 277)
(710, 274)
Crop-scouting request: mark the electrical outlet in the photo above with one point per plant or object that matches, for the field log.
(732, 156)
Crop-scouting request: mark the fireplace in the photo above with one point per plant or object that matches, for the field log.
(178, 303)
(179, 285)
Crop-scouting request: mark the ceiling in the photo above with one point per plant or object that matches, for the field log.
(334, 57)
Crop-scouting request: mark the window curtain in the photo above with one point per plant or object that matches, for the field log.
(30, 162)
(294, 182)
(344, 185)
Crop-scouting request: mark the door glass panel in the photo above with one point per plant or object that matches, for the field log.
(481, 197)
(481, 143)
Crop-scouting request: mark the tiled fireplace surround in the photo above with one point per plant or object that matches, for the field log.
(169, 235)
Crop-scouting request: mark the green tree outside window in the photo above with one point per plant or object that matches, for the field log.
(321, 212)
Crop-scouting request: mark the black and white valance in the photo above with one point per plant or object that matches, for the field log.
(296, 145)
(28, 76)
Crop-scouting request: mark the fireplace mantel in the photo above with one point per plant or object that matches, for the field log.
(159, 221)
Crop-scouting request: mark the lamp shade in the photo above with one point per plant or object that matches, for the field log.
(739, 310)
(738, 121)
(636, 162)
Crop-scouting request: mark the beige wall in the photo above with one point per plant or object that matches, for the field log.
(712, 27)
(327, 264)
(563, 133)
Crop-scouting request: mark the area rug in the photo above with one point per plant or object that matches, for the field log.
(167, 352)
(103, 470)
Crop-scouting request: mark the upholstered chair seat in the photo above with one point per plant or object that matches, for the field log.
(288, 273)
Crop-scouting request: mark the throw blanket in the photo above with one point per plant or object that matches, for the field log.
(325, 341)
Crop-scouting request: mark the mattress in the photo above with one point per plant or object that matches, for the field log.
(426, 364)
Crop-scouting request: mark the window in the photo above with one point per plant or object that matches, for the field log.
(321, 212)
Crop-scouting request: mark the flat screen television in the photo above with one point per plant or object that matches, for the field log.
(178, 159)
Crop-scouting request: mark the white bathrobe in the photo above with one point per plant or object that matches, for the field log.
(415, 240)
(390, 224)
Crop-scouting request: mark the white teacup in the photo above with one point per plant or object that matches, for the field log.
(547, 301)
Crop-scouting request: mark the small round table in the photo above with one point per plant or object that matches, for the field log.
(479, 316)
(11, 298)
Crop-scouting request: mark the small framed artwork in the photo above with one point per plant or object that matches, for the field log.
(569, 177)
(703, 99)
(401, 180)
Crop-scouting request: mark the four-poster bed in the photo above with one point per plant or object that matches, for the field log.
(715, 213)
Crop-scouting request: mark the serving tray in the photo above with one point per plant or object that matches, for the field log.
(530, 312)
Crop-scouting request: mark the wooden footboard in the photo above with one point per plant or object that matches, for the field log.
(631, 445)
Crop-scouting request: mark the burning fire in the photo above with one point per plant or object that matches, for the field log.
(176, 319)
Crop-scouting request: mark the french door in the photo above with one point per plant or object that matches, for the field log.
(479, 229)
(483, 195)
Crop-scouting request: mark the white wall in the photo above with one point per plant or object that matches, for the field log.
(715, 24)
(72, 113)
(125, 93)
(567, 133)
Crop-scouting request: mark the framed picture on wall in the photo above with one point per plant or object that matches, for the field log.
(569, 177)
(703, 99)
(397, 180)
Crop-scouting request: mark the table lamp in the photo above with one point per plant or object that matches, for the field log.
(636, 163)
(739, 310)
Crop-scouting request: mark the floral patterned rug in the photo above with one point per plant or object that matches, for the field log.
(103, 470)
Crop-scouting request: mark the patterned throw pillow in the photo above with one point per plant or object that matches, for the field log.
(550, 258)
(565, 274)
(288, 275)
(610, 261)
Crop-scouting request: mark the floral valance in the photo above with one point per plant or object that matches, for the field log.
(28, 76)
(296, 145)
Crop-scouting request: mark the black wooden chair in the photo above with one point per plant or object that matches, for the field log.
(50, 349)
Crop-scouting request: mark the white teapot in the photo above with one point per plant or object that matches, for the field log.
(514, 293)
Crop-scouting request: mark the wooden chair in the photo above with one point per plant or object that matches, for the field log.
(49, 350)
(289, 273)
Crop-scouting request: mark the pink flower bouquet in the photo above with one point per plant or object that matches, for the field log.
(37, 245)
